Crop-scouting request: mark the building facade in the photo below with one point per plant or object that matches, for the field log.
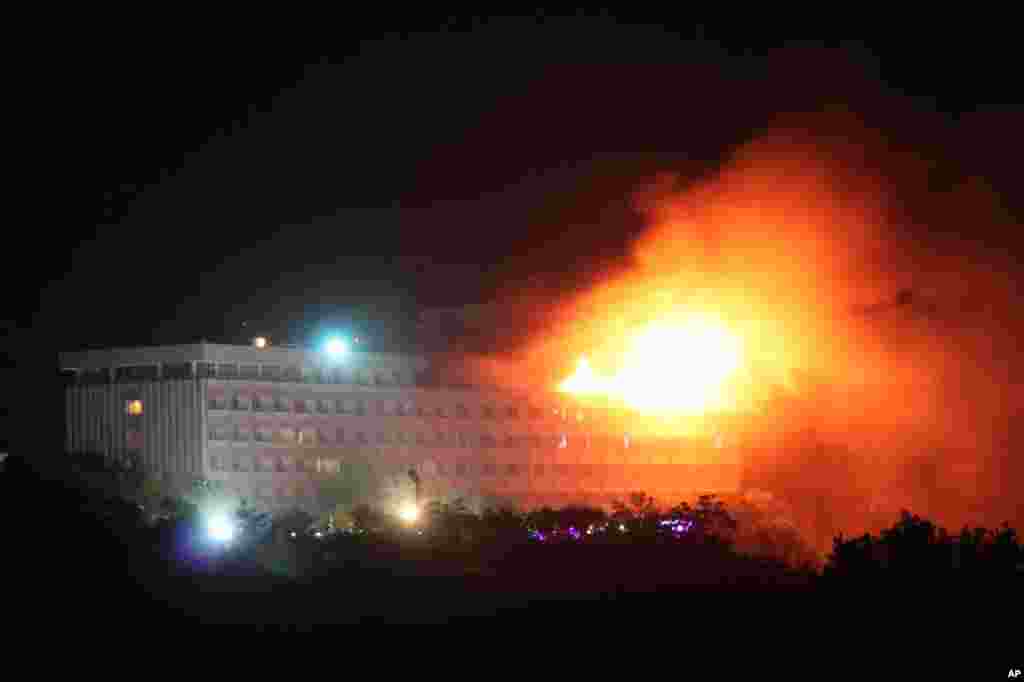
(278, 425)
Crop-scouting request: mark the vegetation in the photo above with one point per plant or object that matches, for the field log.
(556, 552)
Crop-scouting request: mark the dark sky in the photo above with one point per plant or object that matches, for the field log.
(247, 182)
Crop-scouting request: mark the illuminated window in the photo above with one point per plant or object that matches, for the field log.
(133, 407)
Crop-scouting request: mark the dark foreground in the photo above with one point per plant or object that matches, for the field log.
(91, 560)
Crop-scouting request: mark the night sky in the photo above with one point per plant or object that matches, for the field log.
(248, 183)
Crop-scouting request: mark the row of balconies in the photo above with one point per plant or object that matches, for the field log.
(361, 409)
(466, 468)
(313, 439)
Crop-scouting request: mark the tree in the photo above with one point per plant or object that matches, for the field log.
(355, 483)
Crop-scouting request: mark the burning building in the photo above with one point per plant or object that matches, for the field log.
(275, 425)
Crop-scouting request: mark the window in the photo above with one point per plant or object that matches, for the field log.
(512, 412)
(512, 441)
(279, 465)
(383, 437)
(292, 373)
(487, 441)
(397, 377)
(240, 402)
(248, 371)
(181, 370)
(461, 412)
(323, 436)
(280, 404)
(216, 402)
(243, 434)
(401, 438)
(133, 407)
(421, 411)
(421, 439)
(135, 374)
(287, 435)
(227, 371)
(488, 412)
(301, 465)
(461, 469)
(512, 469)
(270, 373)
(261, 403)
(300, 406)
(204, 370)
(442, 411)
(489, 469)
(215, 463)
(361, 438)
(240, 463)
(360, 408)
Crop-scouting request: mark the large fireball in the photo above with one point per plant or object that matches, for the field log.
(668, 368)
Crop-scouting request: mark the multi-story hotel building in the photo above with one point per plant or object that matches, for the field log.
(273, 423)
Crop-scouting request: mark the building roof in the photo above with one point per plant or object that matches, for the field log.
(213, 352)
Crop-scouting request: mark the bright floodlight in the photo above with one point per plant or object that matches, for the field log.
(260, 342)
(337, 348)
(408, 512)
(220, 528)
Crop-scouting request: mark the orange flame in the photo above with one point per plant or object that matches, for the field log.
(670, 367)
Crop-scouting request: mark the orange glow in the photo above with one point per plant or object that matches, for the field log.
(134, 407)
(669, 367)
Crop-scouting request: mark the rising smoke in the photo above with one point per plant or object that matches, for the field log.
(881, 309)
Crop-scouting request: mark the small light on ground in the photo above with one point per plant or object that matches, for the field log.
(220, 529)
(409, 513)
